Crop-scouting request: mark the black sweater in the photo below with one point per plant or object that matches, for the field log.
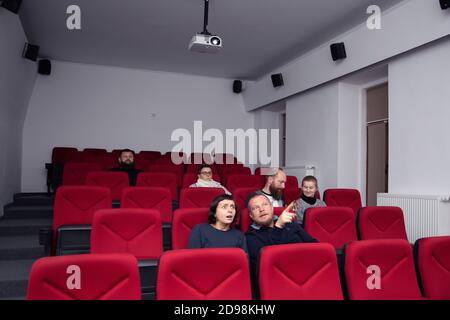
(265, 236)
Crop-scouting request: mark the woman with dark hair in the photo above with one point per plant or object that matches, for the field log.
(219, 232)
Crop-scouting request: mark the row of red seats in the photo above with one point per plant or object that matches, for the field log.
(62, 155)
(290, 272)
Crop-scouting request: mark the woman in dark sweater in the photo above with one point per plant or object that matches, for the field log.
(219, 232)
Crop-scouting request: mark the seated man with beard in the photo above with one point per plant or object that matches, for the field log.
(273, 189)
(268, 230)
(126, 164)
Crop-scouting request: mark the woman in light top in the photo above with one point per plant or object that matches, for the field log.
(205, 179)
(308, 198)
(219, 232)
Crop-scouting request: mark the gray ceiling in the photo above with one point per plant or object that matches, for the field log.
(258, 35)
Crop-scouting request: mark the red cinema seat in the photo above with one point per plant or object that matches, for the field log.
(291, 182)
(107, 162)
(198, 197)
(244, 181)
(59, 154)
(162, 180)
(199, 158)
(149, 198)
(191, 178)
(74, 174)
(225, 158)
(129, 230)
(228, 171)
(95, 151)
(433, 266)
(381, 223)
(73, 213)
(334, 225)
(114, 181)
(75, 156)
(150, 155)
(343, 198)
(305, 271)
(93, 277)
(142, 162)
(177, 170)
(393, 259)
(240, 196)
(184, 220)
(295, 194)
(204, 274)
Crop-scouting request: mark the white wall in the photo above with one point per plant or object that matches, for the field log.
(95, 106)
(419, 112)
(408, 25)
(17, 77)
(312, 133)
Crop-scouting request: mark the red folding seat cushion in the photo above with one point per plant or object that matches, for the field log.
(184, 220)
(191, 178)
(381, 223)
(305, 271)
(343, 198)
(204, 274)
(74, 174)
(135, 231)
(244, 181)
(177, 170)
(162, 180)
(394, 260)
(76, 205)
(114, 181)
(335, 225)
(198, 197)
(85, 277)
(149, 198)
(433, 266)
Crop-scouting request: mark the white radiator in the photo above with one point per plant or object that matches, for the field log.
(425, 216)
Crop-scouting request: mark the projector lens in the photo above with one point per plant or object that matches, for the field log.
(215, 41)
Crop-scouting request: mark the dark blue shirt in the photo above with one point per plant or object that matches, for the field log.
(206, 236)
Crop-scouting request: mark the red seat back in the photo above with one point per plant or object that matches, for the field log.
(177, 170)
(184, 220)
(149, 198)
(291, 182)
(233, 170)
(240, 196)
(334, 225)
(306, 271)
(395, 261)
(75, 173)
(100, 276)
(75, 205)
(114, 181)
(381, 223)
(433, 266)
(244, 181)
(343, 198)
(204, 274)
(59, 154)
(198, 197)
(135, 231)
(162, 180)
(294, 194)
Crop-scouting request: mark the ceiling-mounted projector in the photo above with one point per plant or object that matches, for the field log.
(205, 43)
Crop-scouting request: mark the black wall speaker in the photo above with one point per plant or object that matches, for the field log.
(277, 80)
(30, 52)
(45, 67)
(445, 4)
(237, 86)
(11, 5)
(338, 51)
